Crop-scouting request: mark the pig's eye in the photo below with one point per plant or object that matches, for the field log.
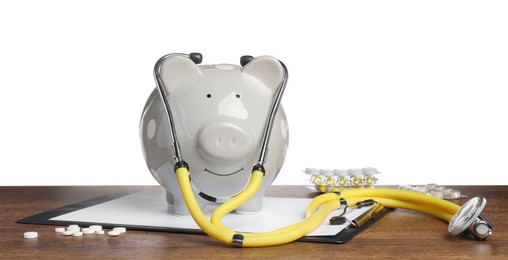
(208, 95)
(237, 95)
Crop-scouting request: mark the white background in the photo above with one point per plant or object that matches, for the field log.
(416, 89)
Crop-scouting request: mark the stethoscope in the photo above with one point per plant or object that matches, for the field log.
(197, 58)
(465, 219)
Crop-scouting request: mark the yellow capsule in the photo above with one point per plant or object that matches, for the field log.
(329, 181)
(316, 180)
(321, 188)
(342, 181)
(370, 180)
(357, 181)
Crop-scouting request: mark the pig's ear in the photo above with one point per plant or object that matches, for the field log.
(267, 69)
(175, 69)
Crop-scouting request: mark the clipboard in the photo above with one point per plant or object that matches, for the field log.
(67, 215)
(347, 234)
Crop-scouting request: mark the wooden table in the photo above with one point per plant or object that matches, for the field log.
(400, 234)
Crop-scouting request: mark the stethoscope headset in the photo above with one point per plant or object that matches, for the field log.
(465, 219)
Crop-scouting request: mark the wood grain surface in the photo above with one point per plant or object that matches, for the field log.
(401, 234)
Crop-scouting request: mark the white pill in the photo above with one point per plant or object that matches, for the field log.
(437, 194)
(404, 187)
(421, 190)
(453, 194)
(120, 229)
(99, 232)
(96, 227)
(431, 186)
(87, 231)
(439, 188)
(74, 229)
(73, 226)
(59, 229)
(67, 232)
(77, 234)
(30, 234)
(113, 233)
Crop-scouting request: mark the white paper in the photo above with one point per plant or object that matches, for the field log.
(149, 208)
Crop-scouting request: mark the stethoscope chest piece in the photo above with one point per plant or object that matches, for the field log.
(468, 219)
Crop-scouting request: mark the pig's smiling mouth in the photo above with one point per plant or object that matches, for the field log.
(220, 174)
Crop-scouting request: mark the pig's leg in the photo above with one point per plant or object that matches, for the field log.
(169, 198)
(252, 206)
(180, 207)
(178, 204)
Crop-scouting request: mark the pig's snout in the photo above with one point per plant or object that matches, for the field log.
(223, 142)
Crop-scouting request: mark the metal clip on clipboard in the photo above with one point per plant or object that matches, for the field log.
(375, 208)
(356, 225)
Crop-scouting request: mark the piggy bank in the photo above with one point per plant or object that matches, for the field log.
(219, 113)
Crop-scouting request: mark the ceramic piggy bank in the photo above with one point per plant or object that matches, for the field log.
(219, 112)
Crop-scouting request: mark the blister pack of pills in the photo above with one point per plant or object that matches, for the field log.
(328, 180)
(435, 190)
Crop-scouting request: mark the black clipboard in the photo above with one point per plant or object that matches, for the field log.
(347, 234)
(45, 218)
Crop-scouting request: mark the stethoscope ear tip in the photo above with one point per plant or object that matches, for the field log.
(196, 57)
(245, 59)
(468, 219)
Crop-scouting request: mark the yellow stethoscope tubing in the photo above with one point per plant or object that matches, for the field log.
(424, 205)
(318, 208)
(316, 212)
(409, 196)
(251, 189)
(217, 231)
(400, 204)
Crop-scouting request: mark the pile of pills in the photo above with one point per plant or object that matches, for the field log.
(435, 190)
(76, 231)
(328, 180)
